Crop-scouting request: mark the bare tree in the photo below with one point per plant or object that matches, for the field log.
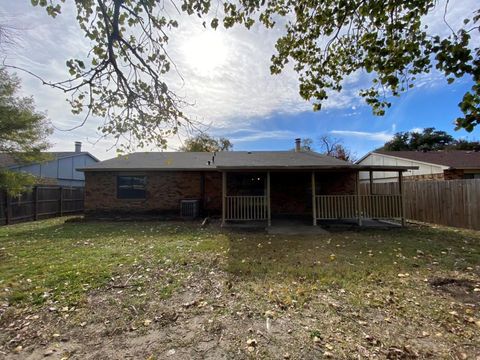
(334, 147)
(8, 36)
(122, 78)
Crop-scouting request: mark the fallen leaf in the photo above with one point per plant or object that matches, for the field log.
(269, 314)
(252, 342)
(171, 352)
(48, 352)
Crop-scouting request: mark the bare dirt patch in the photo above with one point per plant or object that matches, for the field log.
(463, 290)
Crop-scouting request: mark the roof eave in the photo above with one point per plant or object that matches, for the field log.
(463, 167)
(278, 167)
(409, 159)
(142, 169)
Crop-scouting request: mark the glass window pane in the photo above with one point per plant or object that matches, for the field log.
(131, 187)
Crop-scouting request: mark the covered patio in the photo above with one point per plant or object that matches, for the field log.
(312, 196)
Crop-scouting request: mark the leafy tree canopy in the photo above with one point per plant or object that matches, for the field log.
(429, 139)
(23, 132)
(206, 143)
(122, 77)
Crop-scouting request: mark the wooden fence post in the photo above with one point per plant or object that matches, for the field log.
(35, 203)
(370, 198)
(8, 208)
(358, 197)
(370, 177)
(269, 212)
(60, 201)
(402, 199)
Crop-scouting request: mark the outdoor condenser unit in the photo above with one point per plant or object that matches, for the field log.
(189, 209)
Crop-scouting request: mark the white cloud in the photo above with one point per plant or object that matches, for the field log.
(375, 136)
(226, 74)
(416, 130)
(254, 135)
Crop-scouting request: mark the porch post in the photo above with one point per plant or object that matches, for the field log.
(370, 173)
(359, 199)
(370, 197)
(269, 213)
(314, 202)
(402, 200)
(224, 196)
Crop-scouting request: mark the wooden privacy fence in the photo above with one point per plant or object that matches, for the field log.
(358, 206)
(40, 203)
(450, 202)
(246, 208)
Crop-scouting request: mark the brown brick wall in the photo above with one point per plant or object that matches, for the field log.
(425, 177)
(164, 192)
(453, 174)
(213, 193)
(290, 192)
(335, 183)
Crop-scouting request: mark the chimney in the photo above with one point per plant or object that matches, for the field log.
(298, 144)
(78, 146)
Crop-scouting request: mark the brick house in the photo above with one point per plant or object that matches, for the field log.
(431, 165)
(236, 186)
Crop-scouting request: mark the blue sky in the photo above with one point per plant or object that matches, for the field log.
(227, 79)
(434, 106)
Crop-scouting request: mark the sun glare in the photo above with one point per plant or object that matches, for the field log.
(206, 52)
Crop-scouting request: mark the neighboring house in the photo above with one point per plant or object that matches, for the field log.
(241, 186)
(432, 165)
(60, 170)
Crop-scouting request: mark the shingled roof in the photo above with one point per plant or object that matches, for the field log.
(457, 159)
(147, 161)
(8, 160)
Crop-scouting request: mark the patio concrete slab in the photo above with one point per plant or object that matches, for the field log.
(353, 224)
(296, 230)
(304, 226)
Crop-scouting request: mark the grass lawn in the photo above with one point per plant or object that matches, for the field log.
(152, 290)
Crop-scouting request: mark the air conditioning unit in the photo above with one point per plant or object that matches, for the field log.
(189, 209)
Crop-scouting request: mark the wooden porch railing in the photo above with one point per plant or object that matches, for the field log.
(246, 208)
(358, 206)
(381, 206)
(336, 207)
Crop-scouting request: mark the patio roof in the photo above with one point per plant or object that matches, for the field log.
(231, 160)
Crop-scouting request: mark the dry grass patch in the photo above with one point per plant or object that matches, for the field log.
(156, 290)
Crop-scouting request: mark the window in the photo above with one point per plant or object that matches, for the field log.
(131, 187)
